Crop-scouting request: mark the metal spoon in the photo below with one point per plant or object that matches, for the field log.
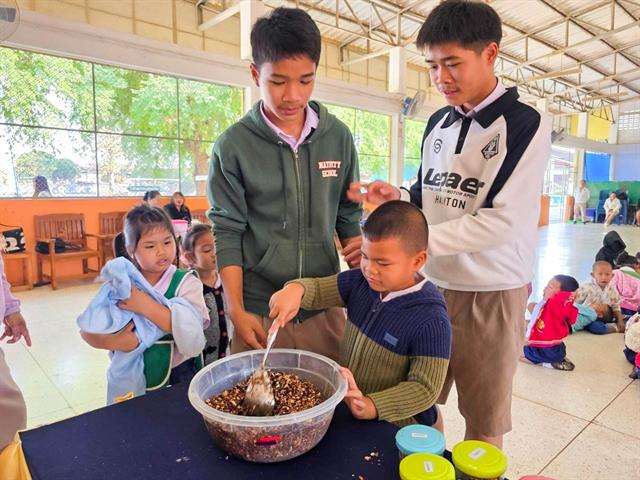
(259, 400)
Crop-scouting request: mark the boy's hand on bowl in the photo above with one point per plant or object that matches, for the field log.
(361, 407)
(285, 304)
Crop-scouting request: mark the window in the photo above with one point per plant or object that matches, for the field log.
(372, 137)
(97, 130)
(558, 181)
(413, 132)
(629, 120)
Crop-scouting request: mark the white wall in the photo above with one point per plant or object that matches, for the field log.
(629, 136)
(626, 163)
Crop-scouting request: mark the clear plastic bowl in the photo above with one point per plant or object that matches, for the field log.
(268, 439)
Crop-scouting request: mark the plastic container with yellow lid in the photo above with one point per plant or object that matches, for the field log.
(426, 466)
(479, 460)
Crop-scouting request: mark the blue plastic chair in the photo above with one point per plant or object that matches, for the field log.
(604, 194)
(624, 208)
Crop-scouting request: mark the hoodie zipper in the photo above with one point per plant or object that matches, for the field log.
(296, 160)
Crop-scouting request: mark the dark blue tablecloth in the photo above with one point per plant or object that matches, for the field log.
(161, 436)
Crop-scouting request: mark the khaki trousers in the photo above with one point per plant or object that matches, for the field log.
(320, 334)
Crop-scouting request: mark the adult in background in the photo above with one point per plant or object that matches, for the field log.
(612, 208)
(41, 187)
(177, 208)
(153, 198)
(581, 197)
(623, 193)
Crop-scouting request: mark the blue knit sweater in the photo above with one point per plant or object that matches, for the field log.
(398, 351)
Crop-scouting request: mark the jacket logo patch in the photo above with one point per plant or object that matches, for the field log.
(329, 168)
(490, 150)
(437, 145)
(453, 181)
(390, 339)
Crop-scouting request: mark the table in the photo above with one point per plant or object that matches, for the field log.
(27, 274)
(161, 436)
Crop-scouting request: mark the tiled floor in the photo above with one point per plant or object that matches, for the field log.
(581, 425)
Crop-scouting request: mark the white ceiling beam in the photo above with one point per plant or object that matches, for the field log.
(555, 74)
(607, 96)
(220, 17)
(362, 58)
(560, 51)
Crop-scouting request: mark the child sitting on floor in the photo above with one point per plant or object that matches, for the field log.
(397, 341)
(632, 345)
(612, 247)
(550, 322)
(626, 280)
(200, 254)
(601, 294)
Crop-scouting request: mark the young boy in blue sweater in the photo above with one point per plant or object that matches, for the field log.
(397, 341)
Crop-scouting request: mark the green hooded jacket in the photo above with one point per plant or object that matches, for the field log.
(274, 210)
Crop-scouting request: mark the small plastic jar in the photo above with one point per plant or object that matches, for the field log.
(426, 466)
(535, 477)
(419, 439)
(477, 460)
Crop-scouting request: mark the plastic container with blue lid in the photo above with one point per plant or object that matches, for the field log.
(419, 439)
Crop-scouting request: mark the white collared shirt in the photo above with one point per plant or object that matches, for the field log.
(492, 97)
(417, 287)
(311, 121)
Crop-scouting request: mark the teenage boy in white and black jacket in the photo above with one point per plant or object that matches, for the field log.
(479, 186)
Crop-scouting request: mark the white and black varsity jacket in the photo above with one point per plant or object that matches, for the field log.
(479, 187)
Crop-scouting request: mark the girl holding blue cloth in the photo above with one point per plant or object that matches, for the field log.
(148, 313)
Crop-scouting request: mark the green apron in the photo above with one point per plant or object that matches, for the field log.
(159, 356)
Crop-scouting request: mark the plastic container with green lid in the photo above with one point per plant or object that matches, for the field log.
(426, 466)
(479, 460)
(419, 439)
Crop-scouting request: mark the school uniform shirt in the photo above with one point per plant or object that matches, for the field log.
(479, 187)
(191, 290)
(582, 195)
(590, 292)
(612, 205)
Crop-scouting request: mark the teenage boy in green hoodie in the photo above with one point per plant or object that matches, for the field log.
(277, 185)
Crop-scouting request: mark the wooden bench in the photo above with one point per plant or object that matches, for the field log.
(201, 216)
(70, 228)
(27, 275)
(110, 225)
